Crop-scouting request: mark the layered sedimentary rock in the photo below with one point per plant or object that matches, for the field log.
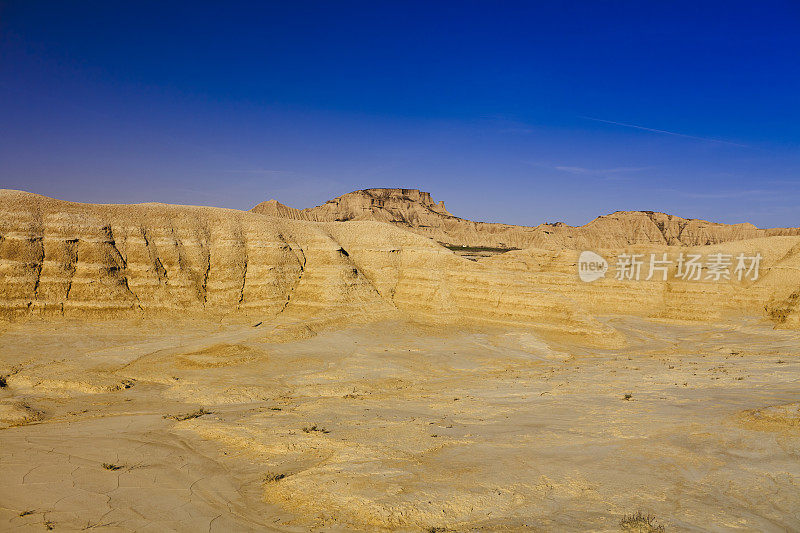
(76, 259)
(73, 259)
(773, 296)
(407, 207)
(416, 211)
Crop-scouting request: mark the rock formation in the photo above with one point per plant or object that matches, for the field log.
(416, 211)
(775, 295)
(75, 259)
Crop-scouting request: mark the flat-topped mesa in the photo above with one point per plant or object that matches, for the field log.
(404, 205)
(408, 207)
(382, 196)
(408, 195)
(416, 211)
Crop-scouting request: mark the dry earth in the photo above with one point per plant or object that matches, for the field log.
(393, 425)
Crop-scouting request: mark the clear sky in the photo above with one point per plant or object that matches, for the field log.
(523, 112)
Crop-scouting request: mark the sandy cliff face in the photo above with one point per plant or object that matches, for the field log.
(774, 296)
(416, 211)
(76, 259)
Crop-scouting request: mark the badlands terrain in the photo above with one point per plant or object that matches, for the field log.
(342, 368)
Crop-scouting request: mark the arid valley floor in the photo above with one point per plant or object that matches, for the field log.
(392, 425)
(173, 368)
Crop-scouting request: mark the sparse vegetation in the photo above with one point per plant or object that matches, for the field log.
(188, 416)
(779, 314)
(628, 396)
(315, 428)
(460, 248)
(124, 384)
(272, 477)
(3, 383)
(641, 523)
(26, 513)
(49, 525)
(113, 466)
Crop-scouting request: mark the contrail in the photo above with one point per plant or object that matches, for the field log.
(665, 132)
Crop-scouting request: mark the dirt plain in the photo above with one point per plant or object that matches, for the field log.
(196, 425)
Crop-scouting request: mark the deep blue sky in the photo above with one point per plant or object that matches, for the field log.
(521, 113)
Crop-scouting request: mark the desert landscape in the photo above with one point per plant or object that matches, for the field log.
(377, 363)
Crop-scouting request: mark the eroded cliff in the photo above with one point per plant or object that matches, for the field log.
(75, 259)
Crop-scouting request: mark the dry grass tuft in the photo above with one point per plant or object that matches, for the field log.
(641, 523)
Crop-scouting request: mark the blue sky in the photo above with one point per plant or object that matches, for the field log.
(523, 112)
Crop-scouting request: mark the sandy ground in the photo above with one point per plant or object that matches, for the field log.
(199, 426)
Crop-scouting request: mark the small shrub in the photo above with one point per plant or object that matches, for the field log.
(272, 477)
(314, 428)
(112, 466)
(26, 513)
(628, 396)
(639, 522)
(124, 384)
(3, 383)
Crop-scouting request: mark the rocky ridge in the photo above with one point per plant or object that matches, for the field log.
(63, 258)
(416, 211)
